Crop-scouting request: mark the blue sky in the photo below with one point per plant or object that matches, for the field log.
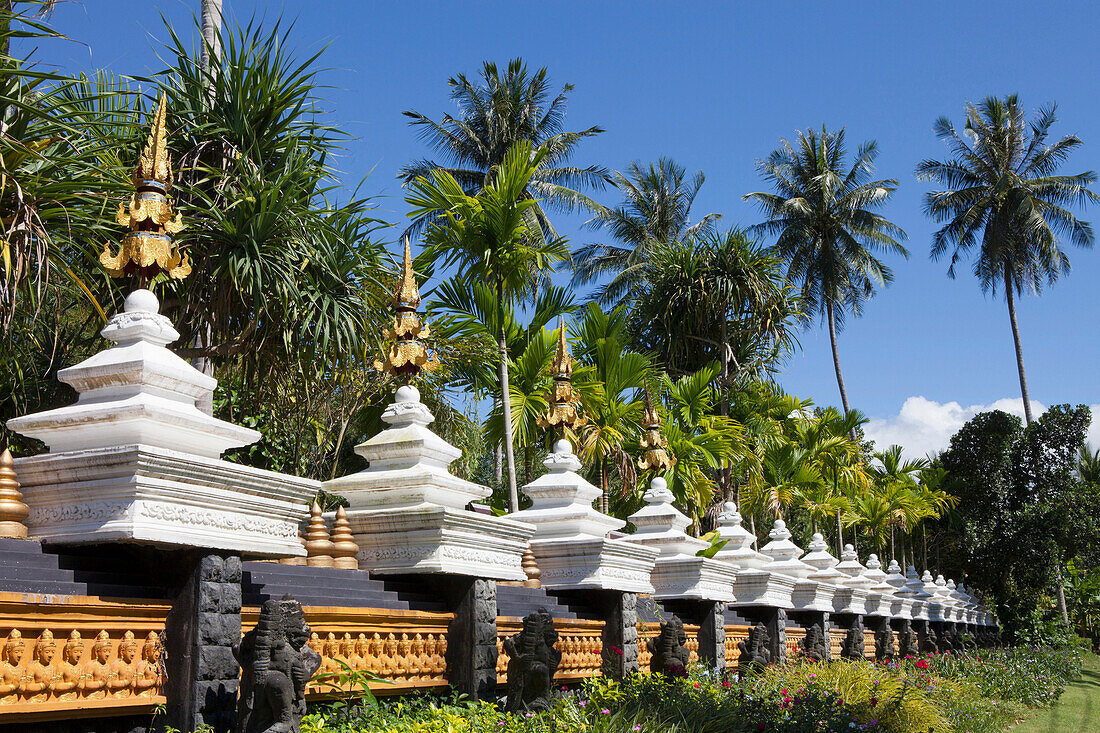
(715, 86)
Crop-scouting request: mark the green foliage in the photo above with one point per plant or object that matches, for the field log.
(1000, 195)
(1023, 510)
(1031, 676)
(504, 108)
(717, 297)
(656, 211)
(457, 715)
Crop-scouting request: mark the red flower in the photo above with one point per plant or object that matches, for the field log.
(695, 684)
(922, 664)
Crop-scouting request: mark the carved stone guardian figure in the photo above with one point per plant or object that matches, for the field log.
(532, 662)
(669, 649)
(816, 644)
(884, 642)
(908, 641)
(276, 665)
(853, 647)
(754, 652)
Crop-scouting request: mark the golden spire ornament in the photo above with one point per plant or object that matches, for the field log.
(407, 355)
(12, 509)
(147, 250)
(562, 410)
(654, 456)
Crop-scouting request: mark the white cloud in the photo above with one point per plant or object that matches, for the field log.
(924, 426)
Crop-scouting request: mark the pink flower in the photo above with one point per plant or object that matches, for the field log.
(637, 727)
(605, 711)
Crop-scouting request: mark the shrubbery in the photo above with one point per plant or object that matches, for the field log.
(979, 693)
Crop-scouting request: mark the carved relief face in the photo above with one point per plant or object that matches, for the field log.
(127, 652)
(45, 653)
(13, 652)
(102, 653)
(150, 651)
(73, 652)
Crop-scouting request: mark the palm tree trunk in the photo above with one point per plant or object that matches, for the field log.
(892, 551)
(839, 536)
(1016, 340)
(605, 485)
(1059, 584)
(836, 356)
(211, 32)
(506, 406)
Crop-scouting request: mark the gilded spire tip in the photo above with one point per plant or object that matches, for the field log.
(653, 444)
(407, 356)
(148, 249)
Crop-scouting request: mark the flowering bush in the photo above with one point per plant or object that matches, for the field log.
(1031, 676)
(980, 693)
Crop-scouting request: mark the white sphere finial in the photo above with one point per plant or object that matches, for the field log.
(141, 301)
(407, 393)
(658, 484)
(563, 447)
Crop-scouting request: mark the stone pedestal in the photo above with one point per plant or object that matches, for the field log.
(472, 638)
(135, 461)
(408, 513)
(202, 628)
(620, 631)
(678, 572)
(570, 543)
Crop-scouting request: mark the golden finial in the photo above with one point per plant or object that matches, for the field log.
(345, 552)
(562, 409)
(12, 509)
(318, 545)
(148, 250)
(407, 355)
(654, 456)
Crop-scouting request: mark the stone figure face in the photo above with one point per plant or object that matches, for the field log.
(73, 652)
(297, 630)
(13, 651)
(102, 653)
(45, 653)
(127, 652)
(150, 651)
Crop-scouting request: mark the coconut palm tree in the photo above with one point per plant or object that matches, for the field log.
(1002, 197)
(826, 226)
(498, 111)
(656, 209)
(491, 238)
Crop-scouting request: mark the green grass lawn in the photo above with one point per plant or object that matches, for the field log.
(1077, 711)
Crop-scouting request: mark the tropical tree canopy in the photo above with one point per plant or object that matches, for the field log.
(656, 209)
